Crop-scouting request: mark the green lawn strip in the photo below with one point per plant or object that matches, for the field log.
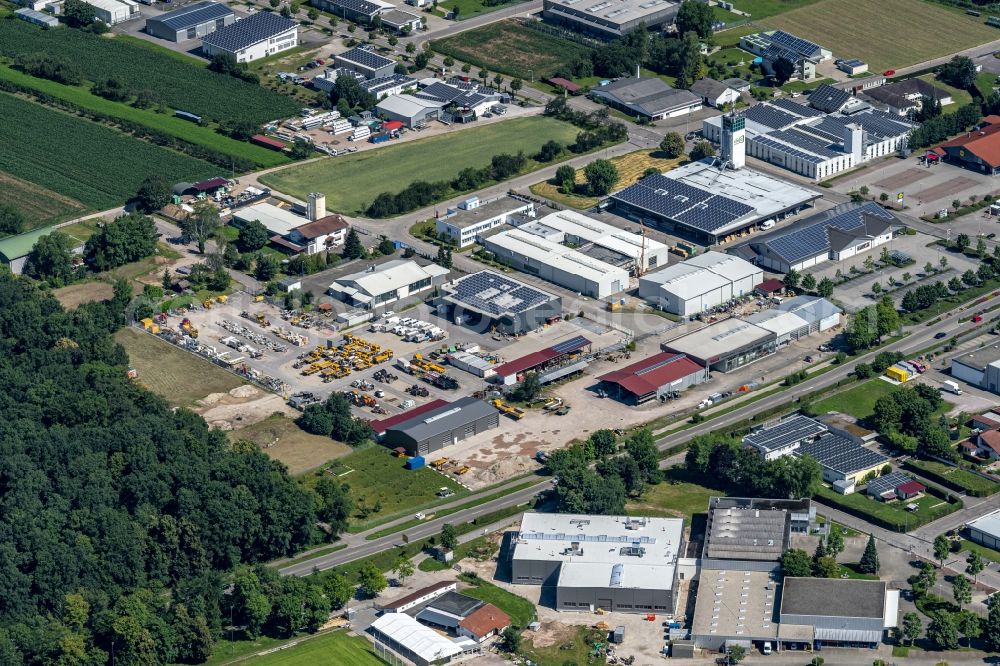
(335, 647)
(986, 81)
(441, 513)
(959, 97)
(945, 304)
(353, 181)
(465, 549)
(858, 401)
(314, 554)
(470, 8)
(851, 569)
(680, 494)
(181, 129)
(986, 553)
(954, 477)
(520, 610)
(759, 9)
(890, 515)
(576, 651)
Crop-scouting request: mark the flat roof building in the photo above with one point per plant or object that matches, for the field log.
(36, 17)
(985, 530)
(751, 533)
(660, 376)
(787, 326)
(466, 224)
(700, 283)
(421, 596)
(819, 313)
(277, 220)
(842, 612)
(735, 607)
(401, 634)
(616, 563)
(382, 284)
(709, 203)
(488, 301)
(783, 437)
(980, 367)
(257, 36)
(443, 426)
(649, 98)
(191, 22)
(725, 345)
(610, 20)
(359, 11)
(367, 62)
(843, 458)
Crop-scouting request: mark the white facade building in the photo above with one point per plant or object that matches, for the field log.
(387, 283)
(113, 12)
(473, 217)
(700, 283)
(256, 36)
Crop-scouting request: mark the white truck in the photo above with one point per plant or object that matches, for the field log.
(951, 387)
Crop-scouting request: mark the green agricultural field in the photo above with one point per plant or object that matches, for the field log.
(91, 165)
(513, 48)
(336, 648)
(168, 124)
(760, 9)
(888, 34)
(353, 181)
(177, 80)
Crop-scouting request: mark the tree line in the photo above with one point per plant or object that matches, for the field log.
(742, 471)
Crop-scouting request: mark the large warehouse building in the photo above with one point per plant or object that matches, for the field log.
(487, 301)
(725, 345)
(752, 533)
(191, 22)
(980, 367)
(472, 218)
(709, 203)
(577, 252)
(700, 283)
(660, 376)
(395, 280)
(837, 234)
(616, 563)
(256, 36)
(446, 425)
(608, 19)
(813, 143)
(842, 613)
(648, 97)
(985, 530)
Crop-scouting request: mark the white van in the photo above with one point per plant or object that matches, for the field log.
(766, 648)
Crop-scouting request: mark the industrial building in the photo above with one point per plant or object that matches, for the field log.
(777, 44)
(400, 22)
(819, 313)
(749, 608)
(719, 93)
(366, 62)
(14, 250)
(817, 142)
(551, 363)
(985, 530)
(787, 326)
(660, 376)
(978, 151)
(615, 563)
(774, 440)
(488, 301)
(712, 201)
(446, 425)
(380, 285)
(844, 459)
(836, 234)
(257, 36)
(464, 616)
(359, 11)
(113, 12)
(467, 223)
(980, 367)
(413, 112)
(380, 426)
(610, 20)
(36, 17)
(747, 533)
(725, 345)
(577, 252)
(277, 220)
(400, 634)
(191, 22)
(648, 97)
(700, 283)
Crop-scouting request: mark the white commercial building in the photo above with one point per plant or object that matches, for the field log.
(256, 36)
(473, 217)
(422, 645)
(278, 221)
(985, 530)
(387, 283)
(980, 367)
(616, 563)
(114, 12)
(700, 283)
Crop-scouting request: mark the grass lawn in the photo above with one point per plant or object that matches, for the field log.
(83, 292)
(520, 610)
(851, 569)
(631, 168)
(731, 38)
(377, 477)
(580, 638)
(763, 8)
(177, 375)
(919, 30)
(986, 81)
(511, 47)
(890, 514)
(353, 181)
(280, 438)
(469, 8)
(335, 648)
(986, 553)
(679, 496)
(959, 97)
(168, 124)
(961, 479)
(858, 401)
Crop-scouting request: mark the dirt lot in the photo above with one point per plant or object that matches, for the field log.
(281, 439)
(75, 294)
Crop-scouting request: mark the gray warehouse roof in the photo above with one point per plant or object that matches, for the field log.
(193, 15)
(746, 534)
(365, 58)
(796, 428)
(646, 95)
(249, 31)
(841, 454)
(445, 418)
(833, 597)
(979, 358)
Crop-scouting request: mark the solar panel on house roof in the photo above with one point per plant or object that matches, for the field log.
(789, 431)
(841, 454)
(797, 44)
(806, 142)
(248, 31)
(765, 114)
(887, 483)
(788, 150)
(495, 294)
(366, 58)
(790, 106)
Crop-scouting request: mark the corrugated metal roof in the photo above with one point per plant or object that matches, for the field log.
(381, 425)
(445, 418)
(249, 31)
(649, 374)
(537, 358)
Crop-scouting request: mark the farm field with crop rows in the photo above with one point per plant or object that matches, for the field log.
(176, 80)
(98, 167)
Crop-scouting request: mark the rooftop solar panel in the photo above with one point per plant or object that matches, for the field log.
(887, 483)
(706, 218)
(495, 294)
(811, 239)
(806, 142)
(365, 57)
(248, 31)
(790, 106)
(797, 428)
(797, 44)
(573, 344)
(841, 454)
(195, 14)
(765, 114)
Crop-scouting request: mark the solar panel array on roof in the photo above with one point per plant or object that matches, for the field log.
(810, 240)
(793, 43)
(193, 15)
(788, 150)
(841, 454)
(797, 428)
(767, 115)
(805, 141)
(684, 203)
(791, 106)
(887, 483)
(496, 294)
(366, 58)
(440, 91)
(573, 344)
(249, 31)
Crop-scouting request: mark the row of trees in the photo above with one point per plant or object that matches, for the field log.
(333, 418)
(905, 418)
(741, 470)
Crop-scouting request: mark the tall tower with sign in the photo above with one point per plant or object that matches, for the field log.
(734, 138)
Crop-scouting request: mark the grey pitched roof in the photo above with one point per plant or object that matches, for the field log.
(192, 15)
(650, 96)
(917, 87)
(251, 30)
(441, 92)
(890, 97)
(736, 84)
(811, 237)
(445, 418)
(709, 88)
(828, 99)
(365, 58)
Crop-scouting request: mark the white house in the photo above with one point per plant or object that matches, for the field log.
(717, 93)
(387, 283)
(256, 36)
(323, 234)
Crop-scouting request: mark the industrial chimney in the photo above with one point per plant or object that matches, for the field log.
(317, 206)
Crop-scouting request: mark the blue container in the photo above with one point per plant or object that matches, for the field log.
(416, 462)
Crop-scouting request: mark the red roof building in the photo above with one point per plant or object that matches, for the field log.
(508, 372)
(978, 150)
(210, 185)
(381, 425)
(267, 142)
(566, 84)
(484, 622)
(988, 445)
(909, 489)
(770, 287)
(392, 125)
(658, 376)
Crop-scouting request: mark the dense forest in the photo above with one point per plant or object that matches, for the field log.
(121, 520)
